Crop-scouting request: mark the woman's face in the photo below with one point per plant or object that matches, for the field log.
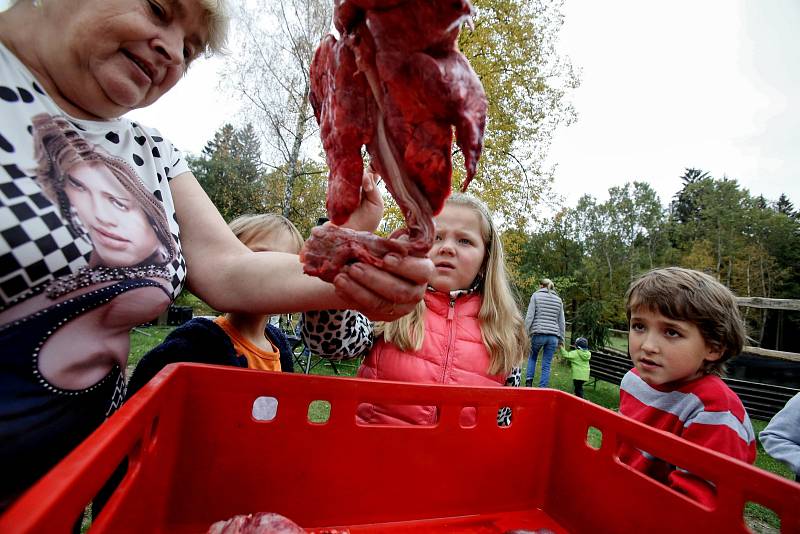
(111, 56)
(458, 248)
(118, 227)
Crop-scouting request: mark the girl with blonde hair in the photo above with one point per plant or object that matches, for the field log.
(466, 331)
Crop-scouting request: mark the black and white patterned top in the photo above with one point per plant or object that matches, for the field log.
(87, 221)
(36, 243)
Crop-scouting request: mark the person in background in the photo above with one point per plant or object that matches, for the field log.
(544, 322)
(238, 339)
(684, 325)
(64, 280)
(579, 362)
(781, 437)
(467, 330)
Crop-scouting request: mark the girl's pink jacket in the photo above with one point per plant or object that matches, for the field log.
(452, 353)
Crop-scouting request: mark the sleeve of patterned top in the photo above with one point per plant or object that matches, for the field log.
(514, 379)
(337, 334)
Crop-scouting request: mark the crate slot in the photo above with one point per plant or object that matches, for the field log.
(319, 412)
(265, 408)
(594, 438)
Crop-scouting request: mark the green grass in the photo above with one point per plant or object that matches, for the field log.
(759, 518)
(619, 342)
(144, 338)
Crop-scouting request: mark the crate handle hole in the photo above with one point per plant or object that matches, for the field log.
(764, 514)
(369, 414)
(504, 417)
(594, 438)
(265, 408)
(319, 412)
(468, 417)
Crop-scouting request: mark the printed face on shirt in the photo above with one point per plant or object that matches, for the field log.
(458, 248)
(665, 350)
(117, 226)
(116, 55)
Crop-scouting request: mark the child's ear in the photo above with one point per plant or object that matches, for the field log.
(713, 352)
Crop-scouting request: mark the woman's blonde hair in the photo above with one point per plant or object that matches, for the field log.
(249, 227)
(502, 326)
(217, 21)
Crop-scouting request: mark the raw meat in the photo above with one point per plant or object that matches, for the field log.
(265, 523)
(261, 523)
(396, 83)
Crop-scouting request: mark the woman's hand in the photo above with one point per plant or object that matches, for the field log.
(385, 294)
(370, 211)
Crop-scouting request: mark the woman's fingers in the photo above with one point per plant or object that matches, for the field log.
(418, 270)
(368, 215)
(385, 295)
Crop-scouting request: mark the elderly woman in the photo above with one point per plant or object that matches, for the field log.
(86, 63)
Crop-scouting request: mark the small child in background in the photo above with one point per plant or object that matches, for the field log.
(237, 339)
(781, 437)
(579, 362)
(683, 326)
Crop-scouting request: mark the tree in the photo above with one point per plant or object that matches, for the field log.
(591, 322)
(308, 200)
(230, 171)
(785, 206)
(686, 205)
(512, 49)
(271, 71)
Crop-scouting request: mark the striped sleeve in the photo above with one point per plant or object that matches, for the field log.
(705, 412)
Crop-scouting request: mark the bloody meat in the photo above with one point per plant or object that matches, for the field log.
(266, 523)
(396, 83)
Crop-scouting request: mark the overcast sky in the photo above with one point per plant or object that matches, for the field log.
(710, 84)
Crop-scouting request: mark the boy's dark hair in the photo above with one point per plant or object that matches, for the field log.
(688, 295)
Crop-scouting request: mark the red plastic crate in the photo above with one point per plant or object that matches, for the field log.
(197, 456)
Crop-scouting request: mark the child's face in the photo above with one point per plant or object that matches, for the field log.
(666, 350)
(458, 248)
(273, 241)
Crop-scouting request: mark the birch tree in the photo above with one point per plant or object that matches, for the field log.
(269, 70)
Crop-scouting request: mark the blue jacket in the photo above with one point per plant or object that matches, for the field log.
(201, 341)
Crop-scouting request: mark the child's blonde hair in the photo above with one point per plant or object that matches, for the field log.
(249, 227)
(502, 326)
(688, 295)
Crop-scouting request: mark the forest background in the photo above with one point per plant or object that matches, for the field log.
(271, 161)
